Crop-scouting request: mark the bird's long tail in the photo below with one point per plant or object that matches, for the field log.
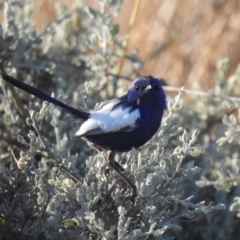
(36, 92)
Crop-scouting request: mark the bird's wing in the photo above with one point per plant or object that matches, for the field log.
(113, 116)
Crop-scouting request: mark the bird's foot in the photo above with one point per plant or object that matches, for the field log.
(116, 166)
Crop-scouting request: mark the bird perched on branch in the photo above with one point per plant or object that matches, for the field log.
(119, 124)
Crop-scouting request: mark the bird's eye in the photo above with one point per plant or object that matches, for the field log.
(156, 88)
(137, 88)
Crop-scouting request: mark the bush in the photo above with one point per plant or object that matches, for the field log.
(56, 188)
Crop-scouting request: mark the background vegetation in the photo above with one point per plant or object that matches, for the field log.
(52, 187)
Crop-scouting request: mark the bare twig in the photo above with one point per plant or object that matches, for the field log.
(200, 93)
(131, 23)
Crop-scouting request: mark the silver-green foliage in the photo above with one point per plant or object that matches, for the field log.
(74, 205)
(58, 188)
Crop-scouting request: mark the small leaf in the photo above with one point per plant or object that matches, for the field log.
(114, 30)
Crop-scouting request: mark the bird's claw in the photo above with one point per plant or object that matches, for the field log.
(118, 166)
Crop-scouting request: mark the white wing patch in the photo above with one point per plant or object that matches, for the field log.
(107, 120)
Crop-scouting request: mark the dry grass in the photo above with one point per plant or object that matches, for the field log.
(182, 40)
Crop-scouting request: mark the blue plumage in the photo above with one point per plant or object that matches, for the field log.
(150, 104)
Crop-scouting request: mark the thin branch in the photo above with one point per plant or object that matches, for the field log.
(200, 93)
(131, 23)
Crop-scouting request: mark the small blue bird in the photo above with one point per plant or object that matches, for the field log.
(119, 124)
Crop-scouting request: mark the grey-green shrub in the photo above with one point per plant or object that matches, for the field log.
(57, 188)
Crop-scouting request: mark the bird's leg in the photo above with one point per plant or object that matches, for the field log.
(117, 167)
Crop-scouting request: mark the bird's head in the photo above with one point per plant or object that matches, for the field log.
(147, 90)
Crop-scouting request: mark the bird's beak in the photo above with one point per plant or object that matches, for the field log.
(147, 88)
